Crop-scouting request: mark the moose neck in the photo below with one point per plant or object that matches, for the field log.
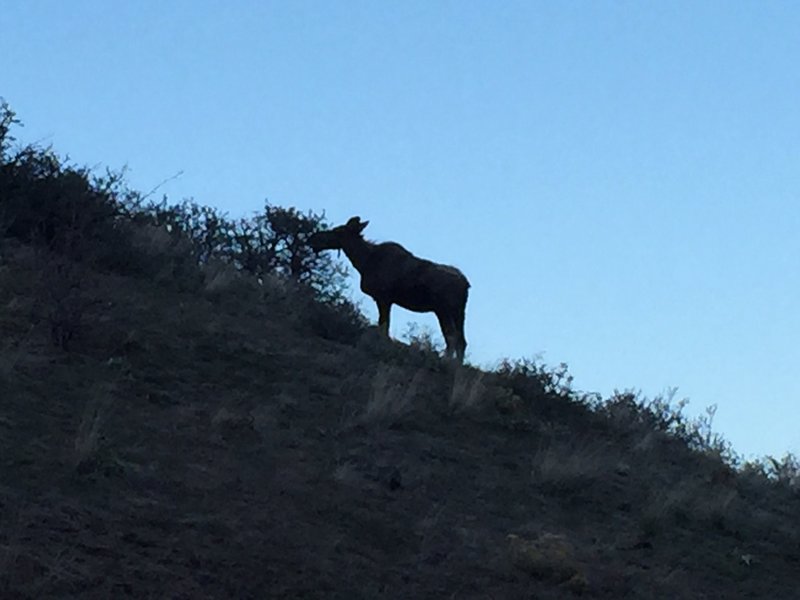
(358, 250)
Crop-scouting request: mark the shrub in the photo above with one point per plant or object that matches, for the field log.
(784, 471)
(422, 339)
(665, 415)
(99, 220)
(529, 375)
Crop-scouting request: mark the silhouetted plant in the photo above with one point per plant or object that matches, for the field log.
(93, 218)
(339, 320)
(657, 414)
(276, 242)
(664, 414)
(62, 298)
(207, 230)
(272, 242)
(525, 371)
(45, 202)
(783, 471)
(422, 339)
(8, 119)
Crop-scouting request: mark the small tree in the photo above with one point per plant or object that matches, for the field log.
(8, 119)
(293, 256)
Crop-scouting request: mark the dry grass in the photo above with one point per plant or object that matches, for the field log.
(10, 547)
(12, 352)
(347, 473)
(549, 557)
(220, 277)
(392, 395)
(87, 438)
(468, 389)
(568, 466)
(688, 502)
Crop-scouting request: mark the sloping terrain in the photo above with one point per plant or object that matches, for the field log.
(226, 441)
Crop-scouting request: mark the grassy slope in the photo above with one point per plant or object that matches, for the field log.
(192, 445)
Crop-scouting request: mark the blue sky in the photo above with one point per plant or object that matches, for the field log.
(618, 180)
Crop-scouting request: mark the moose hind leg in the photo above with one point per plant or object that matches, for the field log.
(384, 310)
(461, 348)
(449, 333)
(460, 339)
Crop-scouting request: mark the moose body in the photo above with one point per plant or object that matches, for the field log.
(390, 274)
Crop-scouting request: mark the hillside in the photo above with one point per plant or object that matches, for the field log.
(217, 443)
(190, 408)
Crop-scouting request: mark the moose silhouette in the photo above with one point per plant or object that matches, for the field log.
(392, 275)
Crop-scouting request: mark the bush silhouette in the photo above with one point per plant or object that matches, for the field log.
(98, 221)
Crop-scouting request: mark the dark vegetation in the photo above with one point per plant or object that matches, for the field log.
(190, 408)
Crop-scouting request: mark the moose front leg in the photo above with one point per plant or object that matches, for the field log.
(384, 308)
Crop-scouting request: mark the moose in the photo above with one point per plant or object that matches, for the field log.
(392, 275)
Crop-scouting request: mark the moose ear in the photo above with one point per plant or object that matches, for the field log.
(354, 222)
(363, 225)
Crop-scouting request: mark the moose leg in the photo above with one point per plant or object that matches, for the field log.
(461, 348)
(384, 308)
(461, 340)
(446, 323)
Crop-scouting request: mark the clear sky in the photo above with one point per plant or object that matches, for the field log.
(620, 181)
